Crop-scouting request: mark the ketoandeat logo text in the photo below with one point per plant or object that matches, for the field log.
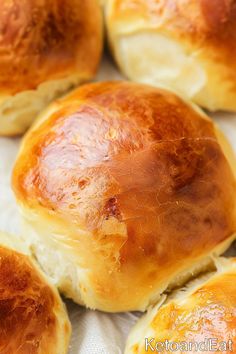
(208, 345)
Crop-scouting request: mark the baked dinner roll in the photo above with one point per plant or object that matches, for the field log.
(200, 318)
(46, 48)
(33, 317)
(188, 46)
(124, 190)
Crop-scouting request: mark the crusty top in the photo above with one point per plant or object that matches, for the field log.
(28, 308)
(208, 313)
(203, 20)
(43, 40)
(139, 169)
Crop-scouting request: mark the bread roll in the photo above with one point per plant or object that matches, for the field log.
(203, 314)
(124, 189)
(188, 46)
(46, 48)
(33, 317)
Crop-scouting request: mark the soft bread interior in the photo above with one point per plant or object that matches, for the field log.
(165, 62)
(54, 259)
(17, 112)
(172, 64)
(61, 262)
(227, 149)
(14, 242)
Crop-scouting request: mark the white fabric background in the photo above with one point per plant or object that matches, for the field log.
(94, 332)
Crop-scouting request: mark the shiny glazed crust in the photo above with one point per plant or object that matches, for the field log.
(47, 47)
(206, 312)
(131, 185)
(45, 40)
(33, 318)
(205, 32)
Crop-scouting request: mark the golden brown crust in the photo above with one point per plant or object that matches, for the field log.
(142, 172)
(29, 309)
(47, 40)
(205, 30)
(212, 308)
(204, 21)
(207, 313)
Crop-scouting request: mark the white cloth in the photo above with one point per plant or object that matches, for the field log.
(94, 332)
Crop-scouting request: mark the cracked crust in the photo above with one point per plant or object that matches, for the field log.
(132, 175)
